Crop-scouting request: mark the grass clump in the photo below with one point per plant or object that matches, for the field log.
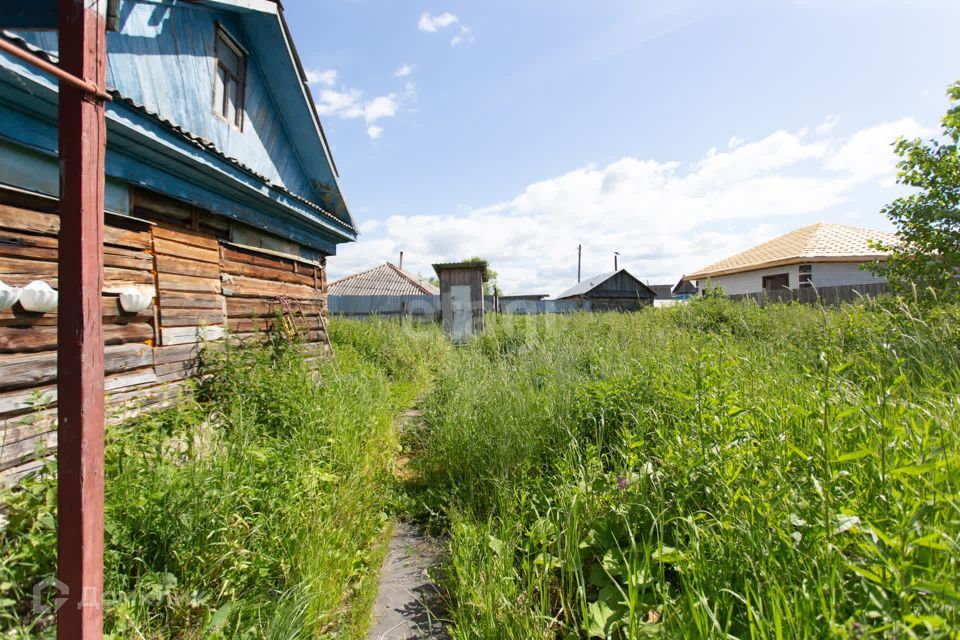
(253, 509)
(714, 470)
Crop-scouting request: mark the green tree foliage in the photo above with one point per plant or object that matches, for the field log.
(490, 287)
(928, 220)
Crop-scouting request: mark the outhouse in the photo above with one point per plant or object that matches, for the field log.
(461, 299)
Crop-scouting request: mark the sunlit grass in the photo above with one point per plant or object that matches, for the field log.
(718, 470)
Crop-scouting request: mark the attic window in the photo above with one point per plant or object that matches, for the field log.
(228, 85)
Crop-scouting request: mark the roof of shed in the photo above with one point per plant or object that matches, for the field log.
(386, 279)
(820, 242)
(589, 284)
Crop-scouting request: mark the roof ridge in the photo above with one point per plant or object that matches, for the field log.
(409, 277)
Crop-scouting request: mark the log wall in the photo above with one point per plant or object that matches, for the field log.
(203, 287)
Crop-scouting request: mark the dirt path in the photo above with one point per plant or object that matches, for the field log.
(409, 605)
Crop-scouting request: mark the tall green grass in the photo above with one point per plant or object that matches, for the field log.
(254, 509)
(716, 470)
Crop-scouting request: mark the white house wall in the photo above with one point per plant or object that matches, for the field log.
(749, 281)
(834, 274)
(824, 274)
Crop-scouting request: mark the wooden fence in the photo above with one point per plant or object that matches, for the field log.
(823, 295)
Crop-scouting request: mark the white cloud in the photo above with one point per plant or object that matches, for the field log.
(328, 77)
(665, 218)
(403, 71)
(350, 104)
(465, 35)
(828, 124)
(381, 107)
(431, 23)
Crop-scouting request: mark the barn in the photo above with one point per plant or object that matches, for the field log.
(613, 291)
(222, 206)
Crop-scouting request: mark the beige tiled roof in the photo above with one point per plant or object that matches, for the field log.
(821, 242)
(384, 280)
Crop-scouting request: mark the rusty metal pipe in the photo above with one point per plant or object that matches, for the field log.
(43, 65)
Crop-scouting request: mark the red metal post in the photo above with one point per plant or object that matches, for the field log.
(82, 139)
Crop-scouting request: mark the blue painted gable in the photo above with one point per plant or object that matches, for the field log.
(161, 67)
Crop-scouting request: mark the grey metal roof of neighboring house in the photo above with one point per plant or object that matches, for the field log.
(384, 280)
(587, 284)
(663, 291)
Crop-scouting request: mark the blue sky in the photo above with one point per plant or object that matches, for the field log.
(675, 132)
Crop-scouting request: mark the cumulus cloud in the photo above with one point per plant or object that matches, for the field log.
(665, 218)
(351, 104)
(434, 23)
(328, 77)
(828, 124)
(403, 71)
(431, 23)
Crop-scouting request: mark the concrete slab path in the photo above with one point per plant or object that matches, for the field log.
(409, 605)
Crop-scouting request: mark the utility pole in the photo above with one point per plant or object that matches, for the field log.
(579, 255)
(82, 144)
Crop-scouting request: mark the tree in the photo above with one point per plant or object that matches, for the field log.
(928, 221)
(490, 287)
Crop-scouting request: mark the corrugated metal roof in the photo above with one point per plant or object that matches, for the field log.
(663, 291)
(821, 242)
(198, 141)
(586, 285)
(384, 280)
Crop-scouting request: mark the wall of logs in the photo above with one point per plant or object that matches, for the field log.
(204, 288)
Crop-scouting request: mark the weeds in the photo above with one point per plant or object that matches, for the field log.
(715, 470)
(254, 511)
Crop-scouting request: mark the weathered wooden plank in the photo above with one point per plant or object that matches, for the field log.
(43, 338)
(247, 325)
(188, 368)
(261, 308)
(179, 266)
(171, 282)
(14, 475)
(267, 273)
(243, 286)
(187, 300)
(19, 428)
(187, 335)
(191, 318)
(18, 219)
(234, 254)
(127, 238)
(16, 453)
(112, 313)
(30, 370)
(163, 246)
(176, 353)
(24, 245)
(127, 258)
(185, 236)
(28, 399)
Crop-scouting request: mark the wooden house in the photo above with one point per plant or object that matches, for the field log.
(819, 255)
(222, 204)
(614, 291)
